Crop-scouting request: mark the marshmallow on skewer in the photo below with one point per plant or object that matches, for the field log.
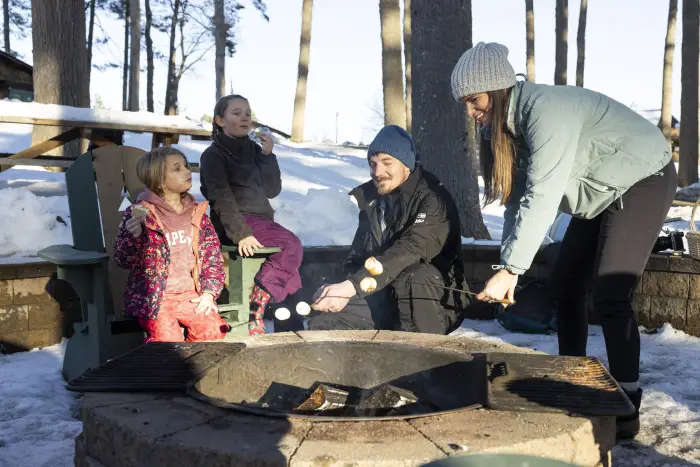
(303, 308)
(139, 211)
(368, 284)
(373, 266)
(282, 314)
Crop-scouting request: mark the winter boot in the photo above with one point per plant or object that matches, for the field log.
(259, 298)
(628, 427)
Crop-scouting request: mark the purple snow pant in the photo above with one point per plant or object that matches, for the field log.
(279, 274)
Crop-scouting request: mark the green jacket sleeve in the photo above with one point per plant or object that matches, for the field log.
(552, 138)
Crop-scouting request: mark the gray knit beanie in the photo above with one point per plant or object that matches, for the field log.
(482, 68)
(396, 142)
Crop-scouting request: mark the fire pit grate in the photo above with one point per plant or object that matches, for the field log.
(156, 366)
(548, 383)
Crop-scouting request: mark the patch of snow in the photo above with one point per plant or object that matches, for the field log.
(31, 223)
(38, 416)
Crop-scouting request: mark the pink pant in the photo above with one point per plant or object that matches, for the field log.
(176, 310)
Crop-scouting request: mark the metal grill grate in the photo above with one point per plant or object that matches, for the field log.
(156, 366)
(548, 383)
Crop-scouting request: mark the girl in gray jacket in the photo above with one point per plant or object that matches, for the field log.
(548, 148)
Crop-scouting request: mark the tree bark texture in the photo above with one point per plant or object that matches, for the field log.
(171, 87)
(91, 30)
(135, 61)
(581, 43)
(303, 72)
(530, 39)
(60, 63)
(149, 57)
(562, 41)
(392, 69)
(690, 49)
(125, 71)
(667, 93)
(441, 32)
(6, 19)
(407, 61)
(220, 27)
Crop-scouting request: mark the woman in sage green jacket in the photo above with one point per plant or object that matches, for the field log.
(548, 148)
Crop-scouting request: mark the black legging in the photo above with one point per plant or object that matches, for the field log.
(608, 254)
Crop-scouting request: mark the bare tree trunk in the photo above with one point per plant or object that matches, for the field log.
(6, 19)
(690, 49)
(581, 43)
(441, 33)
(392, 69)
(60, 60)
(667, 93)
(149, 58)
(220, 27)
(303, 72)
(135, 62)
(91, 30)
(125, 73)
(170, 89)
(407, 59)
(530, 39)
(562, 41)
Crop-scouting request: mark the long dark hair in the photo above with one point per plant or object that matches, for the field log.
(220, 110)
(497, 153)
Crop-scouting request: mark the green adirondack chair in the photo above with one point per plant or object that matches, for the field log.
(95, 183)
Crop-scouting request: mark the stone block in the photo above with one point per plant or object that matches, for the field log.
(6, 294)
(125, 435)
(338, 336)
(27, 340)
(666, 284)
(658, 263)
(694, 287)
(28, 291)
(667, 310)
(683, 264)
(366, 443)
(639, 289)
(35, 270)
(641, 305)
(13, 318)
(45, 316)
(234, 440)
(692, 320)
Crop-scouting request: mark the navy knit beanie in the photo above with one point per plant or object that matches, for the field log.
(396, 142)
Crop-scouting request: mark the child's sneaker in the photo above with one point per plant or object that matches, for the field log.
(259, 298)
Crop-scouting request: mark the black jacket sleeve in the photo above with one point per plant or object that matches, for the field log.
(422, 239)
(214, 175)
(270, 171)
(357, 253)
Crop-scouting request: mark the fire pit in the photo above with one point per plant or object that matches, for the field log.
(338, 398)
(337, 380)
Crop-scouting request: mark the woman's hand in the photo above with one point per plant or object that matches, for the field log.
(500, 286)
(267, 143)
(248, 245)
(206, 304)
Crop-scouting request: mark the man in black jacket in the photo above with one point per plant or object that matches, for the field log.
(410, 224)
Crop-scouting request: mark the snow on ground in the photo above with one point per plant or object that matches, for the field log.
(670, 365)
(38, 416)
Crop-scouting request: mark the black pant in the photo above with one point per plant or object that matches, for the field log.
(413, 306)
(608, 254)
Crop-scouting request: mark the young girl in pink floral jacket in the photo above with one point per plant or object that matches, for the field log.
(173, 253)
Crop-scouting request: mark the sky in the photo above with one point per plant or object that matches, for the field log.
(624, 59)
